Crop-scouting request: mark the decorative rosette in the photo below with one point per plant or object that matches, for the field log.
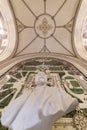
(79, 120)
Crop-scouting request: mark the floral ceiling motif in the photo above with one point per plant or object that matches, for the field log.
(45, 27)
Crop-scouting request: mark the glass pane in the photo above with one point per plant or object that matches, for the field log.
(84, 35)
(3, 34)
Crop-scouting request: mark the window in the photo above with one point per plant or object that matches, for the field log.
(3, 34)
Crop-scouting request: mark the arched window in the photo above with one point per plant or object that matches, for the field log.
(3, 34)
(80, 31)
(84, 34)
(8, 31)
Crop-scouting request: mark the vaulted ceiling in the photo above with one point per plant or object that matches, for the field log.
(43, 27)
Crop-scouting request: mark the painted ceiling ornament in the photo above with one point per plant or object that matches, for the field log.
(45, 26)
(79, 120)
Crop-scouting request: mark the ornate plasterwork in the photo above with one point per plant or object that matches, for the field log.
(45, 26)
(79, 120)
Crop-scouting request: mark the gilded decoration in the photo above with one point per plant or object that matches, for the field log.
(45, 27)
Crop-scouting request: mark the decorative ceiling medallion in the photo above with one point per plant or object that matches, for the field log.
(45, 26)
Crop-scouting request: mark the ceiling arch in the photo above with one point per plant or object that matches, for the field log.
(74, 61)
(45, 26)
